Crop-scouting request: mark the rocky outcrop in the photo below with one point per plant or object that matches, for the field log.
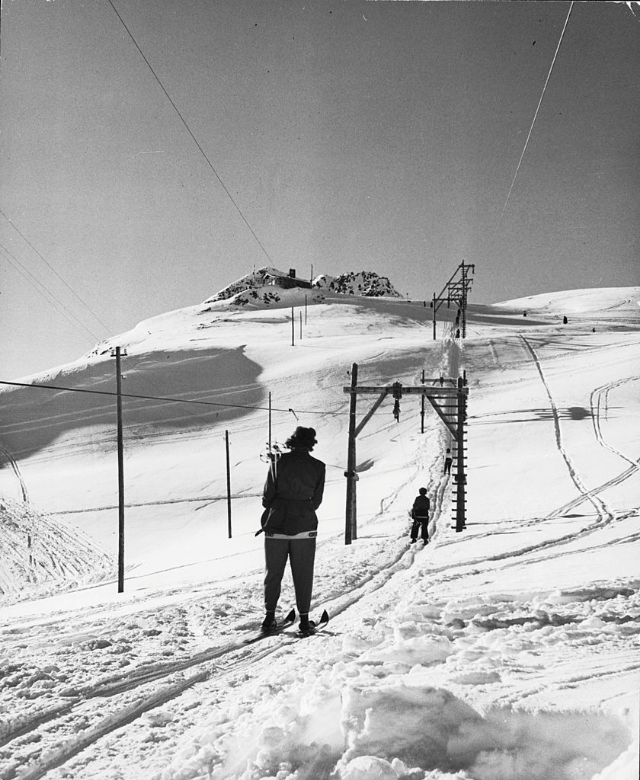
(365, 283)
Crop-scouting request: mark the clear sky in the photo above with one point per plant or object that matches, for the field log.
(351, 135)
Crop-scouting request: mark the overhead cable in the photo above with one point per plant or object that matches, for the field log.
(158, 398)
(535, 116)
(47, 294)
(66, 284)
(188, 129)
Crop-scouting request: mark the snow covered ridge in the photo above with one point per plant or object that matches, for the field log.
(267, 286)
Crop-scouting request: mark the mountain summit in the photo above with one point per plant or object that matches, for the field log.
(267, 284)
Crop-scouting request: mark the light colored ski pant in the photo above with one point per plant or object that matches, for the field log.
(301, 554)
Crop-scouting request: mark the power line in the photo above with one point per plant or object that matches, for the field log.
(166, 399)
(47, 263)
(195, 140)
(535, 116)
(47, 294)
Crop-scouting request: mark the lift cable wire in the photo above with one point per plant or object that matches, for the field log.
(47, 294)
(48, 264)
(167, 400)
(535, 116)
(195, 140)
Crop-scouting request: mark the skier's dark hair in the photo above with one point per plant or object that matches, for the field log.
(422, 491)
(302, 438)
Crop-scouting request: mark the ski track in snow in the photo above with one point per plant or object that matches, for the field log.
(119, 688)
(47, 724)
(604, 514)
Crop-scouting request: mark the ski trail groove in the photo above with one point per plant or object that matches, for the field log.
(56, 718)
(121, 685)
(599, 505)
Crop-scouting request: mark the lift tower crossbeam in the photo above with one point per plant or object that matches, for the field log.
(448, 398)
(457, 291)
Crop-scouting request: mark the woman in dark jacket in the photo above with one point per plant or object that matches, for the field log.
(292, 493)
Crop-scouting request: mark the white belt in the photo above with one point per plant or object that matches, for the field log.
(301, 535)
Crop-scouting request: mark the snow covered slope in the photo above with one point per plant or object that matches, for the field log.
(510, 650)
(598, 301)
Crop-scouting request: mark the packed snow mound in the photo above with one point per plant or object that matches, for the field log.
(365, 283)
(615, 301)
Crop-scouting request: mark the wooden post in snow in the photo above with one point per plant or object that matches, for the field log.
(433, 303)
(226, 439)
(118, 355)
(351, 526)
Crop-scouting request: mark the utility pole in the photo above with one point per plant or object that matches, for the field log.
(117, 353)
(351, 528)
(435, 309)
(226, 439)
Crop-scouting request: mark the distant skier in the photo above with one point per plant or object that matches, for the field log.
(420, 516)
(448, 460)
(565, 320)
(292, 493)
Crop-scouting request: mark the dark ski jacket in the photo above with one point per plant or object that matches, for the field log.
(420, 509)
(292, 493)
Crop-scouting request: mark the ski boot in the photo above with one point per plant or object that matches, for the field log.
(269, 623)
(306, 626)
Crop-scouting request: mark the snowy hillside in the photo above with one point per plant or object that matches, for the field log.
(509, 651)
(602, 303)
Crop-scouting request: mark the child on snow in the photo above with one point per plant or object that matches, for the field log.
(420, 516)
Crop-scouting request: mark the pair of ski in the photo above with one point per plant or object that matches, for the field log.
(289, 620)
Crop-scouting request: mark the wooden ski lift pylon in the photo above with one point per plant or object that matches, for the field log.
(449, 400)
(455, 291)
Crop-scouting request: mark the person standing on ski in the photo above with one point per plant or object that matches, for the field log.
(448, 460)
(420, 516)
(292, 493)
